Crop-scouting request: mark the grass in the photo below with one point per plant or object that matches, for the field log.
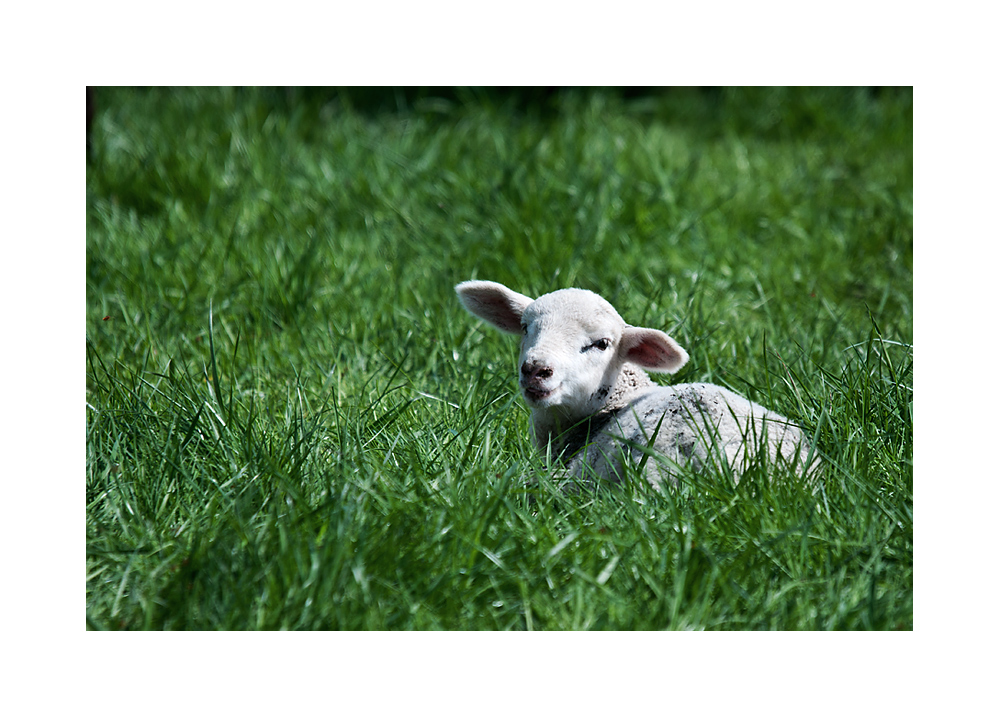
(291, 422)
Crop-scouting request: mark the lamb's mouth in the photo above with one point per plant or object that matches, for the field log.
(536, 394)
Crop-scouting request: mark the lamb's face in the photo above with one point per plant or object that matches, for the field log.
(573, 346)
(569, 352)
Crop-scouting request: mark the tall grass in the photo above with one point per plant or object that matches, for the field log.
(291, 423)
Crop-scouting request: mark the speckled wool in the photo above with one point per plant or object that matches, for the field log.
(583, 375)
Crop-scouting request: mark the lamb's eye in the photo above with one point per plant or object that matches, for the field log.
(601, 344)
(524, 329)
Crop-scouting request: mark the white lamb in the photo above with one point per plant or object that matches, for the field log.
(581, 373)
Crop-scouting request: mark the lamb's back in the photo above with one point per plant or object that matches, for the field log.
(686, 425)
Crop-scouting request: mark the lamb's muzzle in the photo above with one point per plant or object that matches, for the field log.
(531, 371)
(533, 376)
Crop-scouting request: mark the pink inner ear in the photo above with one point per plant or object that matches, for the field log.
(497, 310)
(649, 354)
(494, 303)
(654, 350)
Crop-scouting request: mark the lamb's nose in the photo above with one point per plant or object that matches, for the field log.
(534, 370)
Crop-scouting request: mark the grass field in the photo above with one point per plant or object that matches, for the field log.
(292, 423)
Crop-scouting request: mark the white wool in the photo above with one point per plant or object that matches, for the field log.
(582, 372)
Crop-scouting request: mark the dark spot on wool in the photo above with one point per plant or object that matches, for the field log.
(685, 445)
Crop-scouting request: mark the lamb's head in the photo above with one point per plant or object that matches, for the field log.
(573, 347)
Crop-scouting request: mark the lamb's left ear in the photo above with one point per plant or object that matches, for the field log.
(652, 350)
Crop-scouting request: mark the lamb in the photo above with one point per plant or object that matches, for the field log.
(583, 375)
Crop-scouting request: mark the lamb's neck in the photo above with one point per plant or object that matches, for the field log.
(631, 380)
(549, 425)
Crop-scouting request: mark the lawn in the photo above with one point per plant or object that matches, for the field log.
(293, 424)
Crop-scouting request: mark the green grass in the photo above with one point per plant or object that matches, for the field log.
(291, 422)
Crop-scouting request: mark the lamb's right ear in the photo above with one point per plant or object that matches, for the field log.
(493, 302)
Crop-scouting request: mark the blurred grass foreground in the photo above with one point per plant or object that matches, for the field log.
(291, 422)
